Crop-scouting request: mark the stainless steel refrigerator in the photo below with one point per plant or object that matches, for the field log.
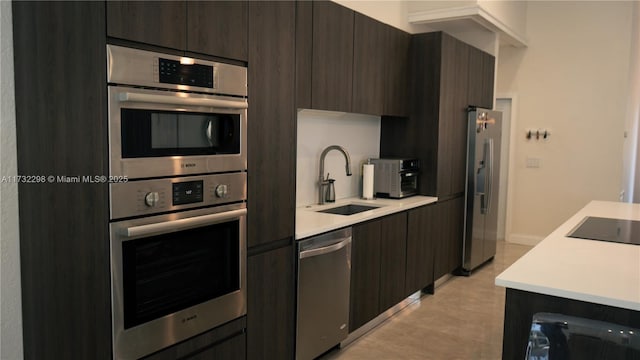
(481, 195)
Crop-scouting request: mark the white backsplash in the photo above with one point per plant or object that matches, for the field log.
(358, 134)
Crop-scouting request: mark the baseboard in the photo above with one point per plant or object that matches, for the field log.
(524, 239)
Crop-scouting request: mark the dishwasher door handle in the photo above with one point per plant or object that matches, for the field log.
(325, 250)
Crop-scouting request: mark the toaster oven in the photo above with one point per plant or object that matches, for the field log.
(395, 178)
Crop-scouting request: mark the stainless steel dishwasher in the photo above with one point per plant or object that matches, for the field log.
(324, 277)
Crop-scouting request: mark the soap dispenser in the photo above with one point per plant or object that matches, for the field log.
(330, 194)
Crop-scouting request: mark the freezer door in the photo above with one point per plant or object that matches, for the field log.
(494, 133)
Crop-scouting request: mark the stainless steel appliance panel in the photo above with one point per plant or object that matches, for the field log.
(395, 178)
(324, 278)
(121, 97)
(148, 197)
(127, 66)
(481, 195)
(132, 340)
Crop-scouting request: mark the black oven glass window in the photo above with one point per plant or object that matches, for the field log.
(152, 133)
(171, 272)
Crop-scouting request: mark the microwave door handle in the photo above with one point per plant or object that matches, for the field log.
(187, 101)
(181, 224)
(208, 132)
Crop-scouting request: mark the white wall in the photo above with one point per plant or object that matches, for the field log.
(10, 293)
(572, 80)
(631, 180)
(512, 14)
(358, 134)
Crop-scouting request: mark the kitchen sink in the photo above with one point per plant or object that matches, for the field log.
(348, 209)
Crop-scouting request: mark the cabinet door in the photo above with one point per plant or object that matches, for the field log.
(271, 304)
(304, 53)
(61, 130)
(481, 76)
(218, 28)
(393, 255)
(227, 341)
(442, 250)
(449, 230)
(456, 231)
(365, 273)
(423, 224)
(230, 349)
(369, 73)
(271, 122)
(453, 117)
(332, 58)
(159, 23)
(396, 55)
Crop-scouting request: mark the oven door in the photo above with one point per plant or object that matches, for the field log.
(166, 133)
(175, 276)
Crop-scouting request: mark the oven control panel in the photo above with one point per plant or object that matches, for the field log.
(146, 197)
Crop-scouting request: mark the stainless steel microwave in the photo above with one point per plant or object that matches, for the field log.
(170, 117)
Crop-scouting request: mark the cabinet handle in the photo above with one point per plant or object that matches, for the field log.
(175, 100)
(325, 250)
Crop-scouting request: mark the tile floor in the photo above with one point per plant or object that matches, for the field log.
(463, 320)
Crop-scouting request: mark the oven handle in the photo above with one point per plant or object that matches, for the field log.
(175, 225)
(174, 100)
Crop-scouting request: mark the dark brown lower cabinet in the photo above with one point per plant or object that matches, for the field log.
(423, 224)
(393, 256)
(448, 232)
(271, 304)
(224, 342)
(365, 274)
(520, 306)
(378, 255)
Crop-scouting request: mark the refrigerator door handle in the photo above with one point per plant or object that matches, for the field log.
(489, 182)
(481, 178)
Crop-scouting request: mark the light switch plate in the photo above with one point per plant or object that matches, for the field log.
(533, 162)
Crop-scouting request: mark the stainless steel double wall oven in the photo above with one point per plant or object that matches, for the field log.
(177, 133)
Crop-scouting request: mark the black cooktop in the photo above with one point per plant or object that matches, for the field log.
(606, 229)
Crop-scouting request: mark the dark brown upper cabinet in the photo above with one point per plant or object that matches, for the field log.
(370, 38)
(481, 78)
(440, 92)
(332, 57)
(215, 28)
(346, 61)
(380, 60)
(218, 28)
(396, 100)
(161, 23)
(271, 148)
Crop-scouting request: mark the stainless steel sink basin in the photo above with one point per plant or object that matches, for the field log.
(348, 209)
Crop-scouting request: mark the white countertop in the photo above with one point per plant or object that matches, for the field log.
(310, 222)
(587, 270)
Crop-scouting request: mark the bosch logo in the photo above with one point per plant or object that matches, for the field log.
(192, 317)
(188, 165)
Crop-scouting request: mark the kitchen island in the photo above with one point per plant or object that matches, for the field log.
(577, 277)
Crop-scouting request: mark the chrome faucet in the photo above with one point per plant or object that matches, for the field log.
(322, 182)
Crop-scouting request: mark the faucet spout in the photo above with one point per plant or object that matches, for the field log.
(321, 180)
